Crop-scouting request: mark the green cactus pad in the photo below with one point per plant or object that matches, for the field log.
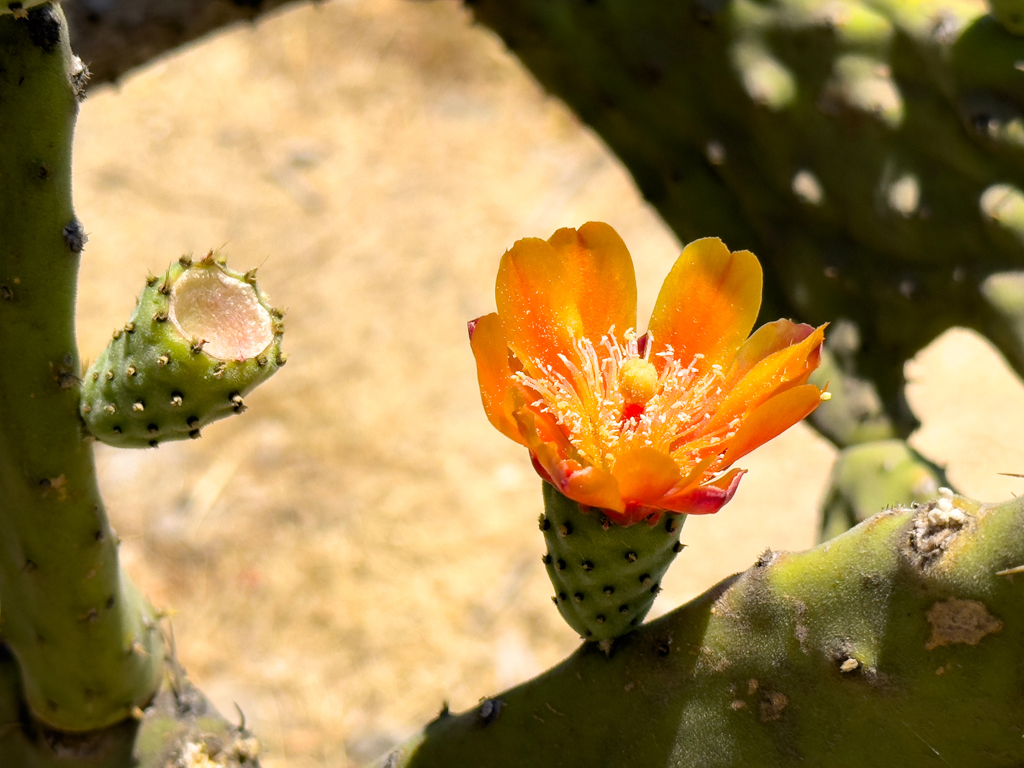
(201, 337)
(606, 576)
(895, 644)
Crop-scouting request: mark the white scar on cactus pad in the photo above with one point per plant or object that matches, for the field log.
(222, 312)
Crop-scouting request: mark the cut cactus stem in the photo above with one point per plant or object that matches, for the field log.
(896, 643)
(201, 337)
(606, 576)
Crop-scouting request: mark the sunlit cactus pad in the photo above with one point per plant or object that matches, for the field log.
(201, 337)
(606, 576)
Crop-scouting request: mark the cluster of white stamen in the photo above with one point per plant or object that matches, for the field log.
(586, 401)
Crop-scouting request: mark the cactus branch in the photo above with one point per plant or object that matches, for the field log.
(897, 643)
(87, 643)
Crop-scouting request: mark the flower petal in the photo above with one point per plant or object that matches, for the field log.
(600, 270)
(765, 341)
(591, 486)
(490, 348)
(772, 418)
(644, 475)
(782, 370)
(579, 284)
(709, 498)
(708, 303)
(562, 465)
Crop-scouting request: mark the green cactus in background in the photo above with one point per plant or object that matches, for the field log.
(83, 654)
(872, 153)
(896, 643)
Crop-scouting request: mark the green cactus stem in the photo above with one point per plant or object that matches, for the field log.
(201, 338)
(605, 576)
(87, 644)
(896, 643)
(180, 729)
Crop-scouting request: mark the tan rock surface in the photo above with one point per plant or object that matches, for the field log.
(361, 544)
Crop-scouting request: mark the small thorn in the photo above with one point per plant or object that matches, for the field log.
(250, 276)
(110, 375)
(129, 327)
(609, 590)
(176, 399)
(565, 529)
(110, 408)
(151, 280)
(282, 359)
(645, 579)
(139, 406)
(631, 557)
(117, 334)
(185, 261)
(163, 360)
(160, 317)
(197, 345)
(131, 370)
(261, 360)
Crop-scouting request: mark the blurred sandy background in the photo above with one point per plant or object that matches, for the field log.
(361, 545)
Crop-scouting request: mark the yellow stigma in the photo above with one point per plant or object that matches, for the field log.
(638, 381)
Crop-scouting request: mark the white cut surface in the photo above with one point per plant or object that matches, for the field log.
(221, 311)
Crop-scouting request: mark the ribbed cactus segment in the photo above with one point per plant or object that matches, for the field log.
(605, 576)
(201, 337)
(87, 644)
(896, 644)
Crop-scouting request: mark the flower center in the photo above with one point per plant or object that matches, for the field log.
(616, 399)
(638, 382)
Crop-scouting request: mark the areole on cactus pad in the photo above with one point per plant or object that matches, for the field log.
(625, 427)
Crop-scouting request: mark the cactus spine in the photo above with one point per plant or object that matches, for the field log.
(896, 643)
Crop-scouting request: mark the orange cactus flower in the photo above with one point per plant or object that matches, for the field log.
(638, 425)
